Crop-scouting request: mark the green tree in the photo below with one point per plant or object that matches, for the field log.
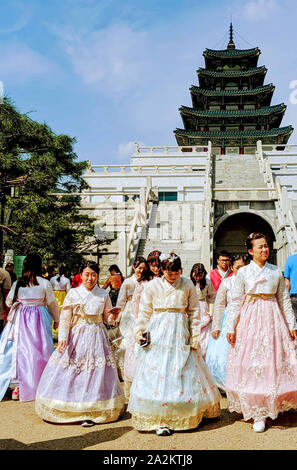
(41, 168)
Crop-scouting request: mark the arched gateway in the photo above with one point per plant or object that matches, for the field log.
(232, 232)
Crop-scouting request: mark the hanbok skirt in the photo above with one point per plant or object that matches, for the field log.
(216, 355)
(124, 330)
(24, 357)
(82, 383)
(60, 297)
(172, 386)
(205, 326)
(113, 294)
(261, 370)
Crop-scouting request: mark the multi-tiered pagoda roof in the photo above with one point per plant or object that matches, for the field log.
(232, 105)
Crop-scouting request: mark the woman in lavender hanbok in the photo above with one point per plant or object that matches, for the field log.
(261, 369)
(26, 342)
(80, 382)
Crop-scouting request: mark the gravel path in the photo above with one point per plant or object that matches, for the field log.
(21, 429)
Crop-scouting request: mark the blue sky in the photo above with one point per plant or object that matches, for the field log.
(112, 72)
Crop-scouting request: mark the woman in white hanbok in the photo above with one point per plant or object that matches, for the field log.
(206, 295)
(126, 317)
(216, 353)
(172, 387)
(261, 370)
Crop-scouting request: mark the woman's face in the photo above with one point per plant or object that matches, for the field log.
(237, 265)
(155, 269)
(197, 277)
(260, 250)
(139, 270)
(89, 278)
(172, 276)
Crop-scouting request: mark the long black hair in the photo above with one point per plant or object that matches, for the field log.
(62, 270)
(32, 267)
(146, 273)
(114, 267)
(199, 269)
(92, 265)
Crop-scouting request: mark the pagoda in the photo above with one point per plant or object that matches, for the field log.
(231, 105)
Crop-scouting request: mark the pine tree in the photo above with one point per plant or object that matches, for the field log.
(40, 167)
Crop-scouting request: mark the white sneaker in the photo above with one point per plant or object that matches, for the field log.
(87, 423)
(163, 432)
(259, 426)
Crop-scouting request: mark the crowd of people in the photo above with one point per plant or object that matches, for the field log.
(159, 344)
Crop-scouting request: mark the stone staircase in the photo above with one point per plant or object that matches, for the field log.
(237, 171)
(189, 251)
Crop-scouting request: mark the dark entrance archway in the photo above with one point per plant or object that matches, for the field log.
(233, 231)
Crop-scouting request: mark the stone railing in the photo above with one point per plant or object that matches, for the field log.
(283, 204)
(169, 150)
(279, 148)
(128, 244)
(95, 171)
(208, 215)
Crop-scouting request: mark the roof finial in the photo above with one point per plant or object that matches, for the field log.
(231, 44)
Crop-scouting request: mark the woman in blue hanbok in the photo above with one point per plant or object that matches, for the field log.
(216, 353)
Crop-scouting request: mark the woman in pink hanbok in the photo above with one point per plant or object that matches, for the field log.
(206, 295)
(261, 369)
(80, 382)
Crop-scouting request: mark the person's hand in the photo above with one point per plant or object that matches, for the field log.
(56, 324)
(114, 313)
(215, 334)
(293, 334)
(231, 338)
(115, 310)
(61, 346)
(141, 339)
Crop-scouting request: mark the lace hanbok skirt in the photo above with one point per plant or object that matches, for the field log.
(261, 370)
(216, 355)
(205, 326)
(82, 383)
(24, 358)
(172, 385)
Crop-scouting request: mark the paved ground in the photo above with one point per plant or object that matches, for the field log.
(21, 428)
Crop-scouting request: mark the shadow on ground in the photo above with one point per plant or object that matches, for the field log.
(68, 443)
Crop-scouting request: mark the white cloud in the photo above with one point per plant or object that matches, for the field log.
(19, 63)
(260, 9)
(125, 150)
(19, 16)
(111, 57)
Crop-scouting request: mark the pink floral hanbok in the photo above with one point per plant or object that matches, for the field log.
(261, 370)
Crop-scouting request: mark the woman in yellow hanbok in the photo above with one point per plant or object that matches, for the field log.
(61, 285)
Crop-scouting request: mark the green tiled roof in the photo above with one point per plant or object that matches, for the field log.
(272, 132)
(232, 73)
(232, 52)
(253, 91)
(234, 113)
